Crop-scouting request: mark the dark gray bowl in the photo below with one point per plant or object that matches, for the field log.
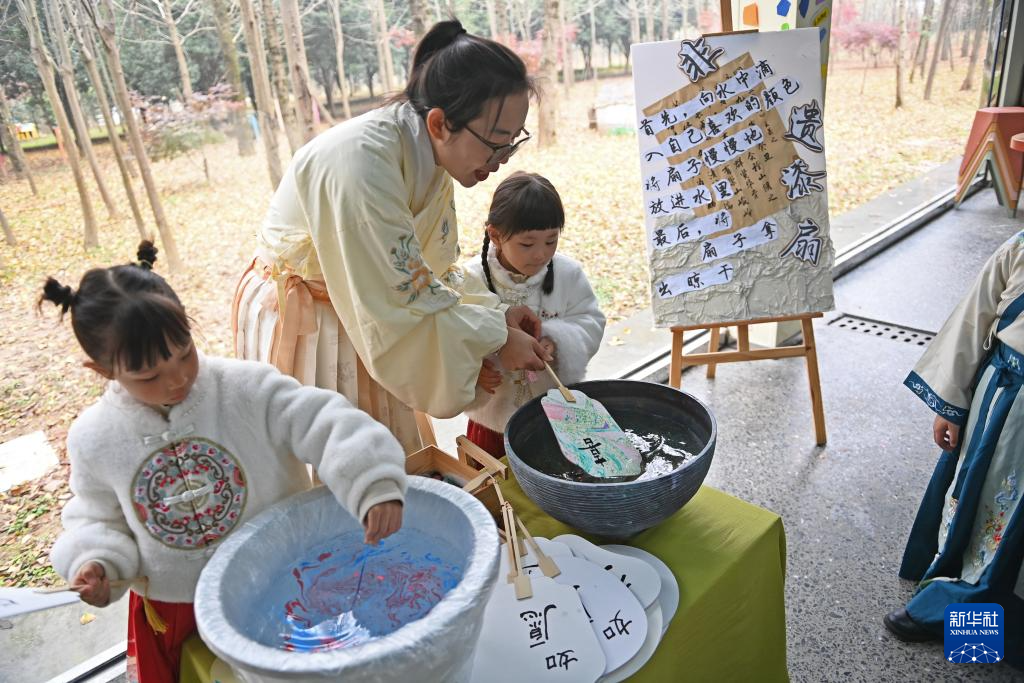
(614, 510)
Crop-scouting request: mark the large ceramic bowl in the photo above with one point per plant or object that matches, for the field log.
(614, 510)
(230, 608)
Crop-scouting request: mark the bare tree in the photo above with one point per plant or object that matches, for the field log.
(548, 113)
(226, 37)
(979, 34)
(921, 52)
(648, 22)
(664, 20)
(101, 14)
(295, 49)
(568, 74)
(8, 233)
(261, 85)
(634, 24)
(492, 18)
(593, 42)
(419, 21)
(87, 51)
(339, 54)
(279, 71)
(901, 37)
(66, 69)
(387, 66)
(939, 39)
(44, 64)
(12, 144)
(501, 18)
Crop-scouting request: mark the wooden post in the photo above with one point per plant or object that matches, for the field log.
(726, 6)
(713, 345)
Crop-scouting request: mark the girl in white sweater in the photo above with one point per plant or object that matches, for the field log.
(519, 264)
(182, 449)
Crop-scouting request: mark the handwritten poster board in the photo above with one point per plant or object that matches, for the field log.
(732, 162)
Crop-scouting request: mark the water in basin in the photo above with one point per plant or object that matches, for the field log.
(342, 592)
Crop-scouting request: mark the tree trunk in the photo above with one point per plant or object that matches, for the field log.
(112, 53)
(979, 34)
(8, 233)
(387, 66)
(225, 35)
(86, 48)
(648, 22)
(501, 18)
(419, 21)
(339, 54)
(548, 112)
(949, 49)
(901, 38)
(298, 67)
(12, 144)
(664, 20)
(179, 51)
(939, 40)
(634, 25)
(286, 106)
(492, 19)
(261, 84)
(593, 43)
(568, 74)
(44, 64)
(66, 69)
(921, 52)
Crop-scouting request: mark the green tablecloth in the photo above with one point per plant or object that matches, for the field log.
(729, 558)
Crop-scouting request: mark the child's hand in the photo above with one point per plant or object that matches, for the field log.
(548, 344)
(945, 433)
(382, 520)
(521, 317)
(92, 585)
(489, 378)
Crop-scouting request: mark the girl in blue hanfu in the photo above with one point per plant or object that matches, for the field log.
(518, 263)
(967, 543)
(355, 286)
(182, 449)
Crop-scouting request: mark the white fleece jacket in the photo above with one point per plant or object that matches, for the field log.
(154, 496)
(569, 315)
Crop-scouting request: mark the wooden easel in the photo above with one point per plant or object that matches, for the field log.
(713, 357)
(744, 353)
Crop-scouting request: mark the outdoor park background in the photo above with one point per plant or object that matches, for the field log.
(214, 197)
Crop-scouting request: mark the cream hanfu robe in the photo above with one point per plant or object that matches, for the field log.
(355, 287)
(967, 543)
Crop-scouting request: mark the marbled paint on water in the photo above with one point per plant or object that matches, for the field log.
(344, 592)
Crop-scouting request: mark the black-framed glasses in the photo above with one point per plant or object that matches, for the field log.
(500, 153)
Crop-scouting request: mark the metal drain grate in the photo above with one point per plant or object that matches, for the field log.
(877, 328)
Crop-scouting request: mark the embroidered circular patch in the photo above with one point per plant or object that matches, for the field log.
(189, 494)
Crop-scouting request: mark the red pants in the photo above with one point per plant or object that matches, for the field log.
(491, 441)
(156, 657)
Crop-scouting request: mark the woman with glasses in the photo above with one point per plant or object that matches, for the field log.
(354, 286)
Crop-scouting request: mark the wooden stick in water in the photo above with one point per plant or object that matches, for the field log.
(566, 394)
(546, 564)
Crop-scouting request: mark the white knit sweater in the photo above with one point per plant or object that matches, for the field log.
(155, 495)
(570, 316)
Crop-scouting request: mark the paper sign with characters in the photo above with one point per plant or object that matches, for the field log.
(732, 160)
